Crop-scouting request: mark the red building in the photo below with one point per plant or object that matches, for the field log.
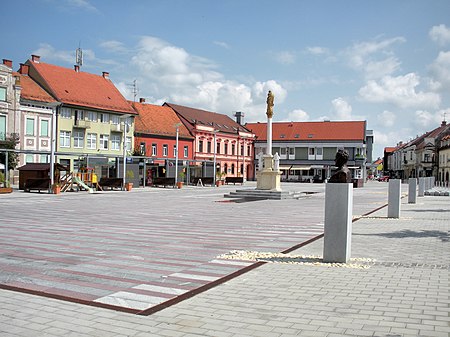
(233, 150)
(155, 137)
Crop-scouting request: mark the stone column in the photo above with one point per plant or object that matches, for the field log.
(338, 222)
(394, 198)
(412, 190)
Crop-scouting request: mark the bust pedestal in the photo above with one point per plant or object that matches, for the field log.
(268, 178)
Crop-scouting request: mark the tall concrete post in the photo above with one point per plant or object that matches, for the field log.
(412, 190)
(394, 198)
(421, 187)
(338, 222)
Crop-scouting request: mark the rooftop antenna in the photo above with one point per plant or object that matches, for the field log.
(135, 90)
(79, 56)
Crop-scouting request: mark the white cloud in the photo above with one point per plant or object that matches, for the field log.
(426, 120)
(285, 57)
(48, 53)
(440, 34)
(342, 109)
(317, 50)
(400, 91)
(113, 45)
(440, 70)
(386, 119)
(374, 58)
(298, 115)
(222, 44)
(83, 4)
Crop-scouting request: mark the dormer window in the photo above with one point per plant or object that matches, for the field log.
(282, 135)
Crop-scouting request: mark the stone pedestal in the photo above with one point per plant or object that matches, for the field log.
(268, 178)
(394, 198)
(412, 190)
(338, 222)
(421, 187)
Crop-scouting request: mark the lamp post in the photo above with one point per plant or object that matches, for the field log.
(124, 118)
(177, 126)
(214, 162)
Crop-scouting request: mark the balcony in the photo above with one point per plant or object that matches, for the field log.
(116, 128)
(82, 124)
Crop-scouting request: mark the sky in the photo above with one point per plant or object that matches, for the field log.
(386, 62)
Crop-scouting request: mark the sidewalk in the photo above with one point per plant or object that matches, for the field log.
(400, 287)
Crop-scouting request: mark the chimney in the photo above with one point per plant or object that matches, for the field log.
(24, 69)
(76, 67)
(35, 58)
(239, 117)
(444, 123)
(141, 100)
(7, 63)
(105, 74)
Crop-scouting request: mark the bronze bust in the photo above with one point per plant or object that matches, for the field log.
(343, 173)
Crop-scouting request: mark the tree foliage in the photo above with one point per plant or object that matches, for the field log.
(10, 143)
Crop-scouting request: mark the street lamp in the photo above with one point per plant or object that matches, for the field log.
(214, 164)
(124, 118)
(177, 126)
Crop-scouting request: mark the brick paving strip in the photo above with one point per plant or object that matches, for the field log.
(83, 248)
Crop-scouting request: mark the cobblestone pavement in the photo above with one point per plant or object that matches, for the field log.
(136, 251)
(404, 292)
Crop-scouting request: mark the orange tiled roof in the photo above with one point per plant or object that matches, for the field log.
(220, 122)
(311, 131)
(390, 149)
(157, 120)
(32, 91)
(80, 88)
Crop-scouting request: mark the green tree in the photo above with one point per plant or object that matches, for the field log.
(10, 143)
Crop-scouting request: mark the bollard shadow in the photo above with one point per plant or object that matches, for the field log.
(288, 259)
(406, 233)
(440, 210)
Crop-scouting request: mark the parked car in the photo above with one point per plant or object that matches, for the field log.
(383, 178)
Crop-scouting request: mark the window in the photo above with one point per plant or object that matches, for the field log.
(292, 151)
(242, 150)
(225, 150)
(311, 151)
(92, 116)
(233, 149)
(64, 138)
(165, 150)
(2, 127)
(43, 158)
(232, 168)
(44, 128)
(186, 151)
(79, 115)
(218, 147)
(65, 113)
(174, 151)
(104, 118)
(104, 139)
(78, 139)
(142, 149)
(128, 143)
(2, 94)
(283, 151)
(29, 158)
(154, 150)
(200, 146)
(248, 150)
(92, 141)
(115, 119)
(115, 142)
(319, 153)
(208, 147)
(30, 127)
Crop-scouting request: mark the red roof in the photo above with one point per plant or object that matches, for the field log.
(389, 149)
(157, 120)
(220, 122)
(32, 91)
(79, 88)
(311, 131)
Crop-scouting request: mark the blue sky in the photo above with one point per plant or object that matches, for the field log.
(387, 62)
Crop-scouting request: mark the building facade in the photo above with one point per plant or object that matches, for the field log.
(94, 120)
(444, 160)
(307, 149)
(219, 139)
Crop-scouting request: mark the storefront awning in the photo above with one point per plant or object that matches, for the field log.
(295, 167)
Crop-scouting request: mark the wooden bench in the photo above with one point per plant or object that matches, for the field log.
(163, 181)
(37, 184)
(234, 180)
(111, 183)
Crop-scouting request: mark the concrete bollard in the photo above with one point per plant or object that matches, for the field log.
(338, 222)
(394, 198)
(412, 190)
(421, 187)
